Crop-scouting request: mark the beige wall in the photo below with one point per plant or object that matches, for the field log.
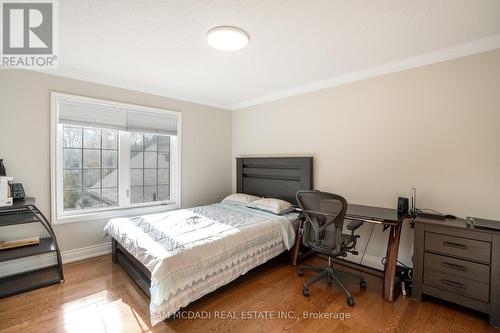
(436, 128)
(25, 143)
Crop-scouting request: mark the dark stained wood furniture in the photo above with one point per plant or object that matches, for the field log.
(137, 271)
(23, 212)
(274, 177)
(458, 263)
(279, 178)
(283, 177)
(391, 221)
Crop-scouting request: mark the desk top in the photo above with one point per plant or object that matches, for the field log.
(374, 214)
(20, 204)
(454, 223)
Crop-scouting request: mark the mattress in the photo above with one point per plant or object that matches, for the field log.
(191, 252)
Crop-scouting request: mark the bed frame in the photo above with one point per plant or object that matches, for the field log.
(272, 177)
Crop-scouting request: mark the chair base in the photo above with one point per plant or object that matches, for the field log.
(331, 276)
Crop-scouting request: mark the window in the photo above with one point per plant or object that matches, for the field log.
(149, 167)
(90, 164)
(112, 159)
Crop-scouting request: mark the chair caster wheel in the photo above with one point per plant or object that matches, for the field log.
(350, 301)
(329, 281)
(305, 292)
(362, 284)
(300, 273)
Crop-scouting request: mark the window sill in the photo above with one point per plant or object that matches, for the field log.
(109, 214)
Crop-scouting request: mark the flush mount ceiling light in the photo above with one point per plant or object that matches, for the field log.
(227, 38)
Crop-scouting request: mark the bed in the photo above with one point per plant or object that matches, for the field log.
(176, 257)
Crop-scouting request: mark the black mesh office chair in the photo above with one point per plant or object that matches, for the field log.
(322, 232)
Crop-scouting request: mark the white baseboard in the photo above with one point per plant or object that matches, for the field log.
(48, 259)
(86, 252)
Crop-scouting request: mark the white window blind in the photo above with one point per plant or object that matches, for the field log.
(124, 118)
(151, 122)
(86, 113)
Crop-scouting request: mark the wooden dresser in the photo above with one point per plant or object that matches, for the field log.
(459, 264)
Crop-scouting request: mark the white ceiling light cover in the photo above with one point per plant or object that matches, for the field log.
(227, 38)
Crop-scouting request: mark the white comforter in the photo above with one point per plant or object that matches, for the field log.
(191, 252)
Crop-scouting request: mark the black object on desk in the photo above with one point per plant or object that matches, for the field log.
(403, 205)
(23, 212)
(2, 168)
(17, 191)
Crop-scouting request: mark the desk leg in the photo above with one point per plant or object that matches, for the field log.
(391, 262)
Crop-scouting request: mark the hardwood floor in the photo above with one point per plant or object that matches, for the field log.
(98, 296)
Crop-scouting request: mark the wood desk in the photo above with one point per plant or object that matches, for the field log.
(391, 221)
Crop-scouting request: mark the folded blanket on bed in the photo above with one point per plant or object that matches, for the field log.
(183, 247)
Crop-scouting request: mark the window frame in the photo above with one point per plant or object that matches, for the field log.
(59, 216)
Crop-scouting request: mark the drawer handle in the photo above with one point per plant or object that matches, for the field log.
(453, 284)
(455, 245)
(453, 266)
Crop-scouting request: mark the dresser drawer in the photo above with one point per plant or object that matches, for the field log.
(463, 268)
(458, 247)
(457, 285)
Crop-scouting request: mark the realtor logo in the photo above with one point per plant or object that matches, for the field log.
(28, 32)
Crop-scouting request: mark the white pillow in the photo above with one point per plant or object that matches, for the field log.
(239, 199)
(275, 206)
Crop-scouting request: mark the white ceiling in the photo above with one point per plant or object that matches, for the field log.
(159, 46)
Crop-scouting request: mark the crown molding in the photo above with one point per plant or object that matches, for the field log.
(458, 51)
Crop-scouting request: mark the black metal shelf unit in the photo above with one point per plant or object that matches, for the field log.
(20, 213)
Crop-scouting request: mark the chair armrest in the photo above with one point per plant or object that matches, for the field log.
(353, 225)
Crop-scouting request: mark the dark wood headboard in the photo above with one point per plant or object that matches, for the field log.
(274, 177)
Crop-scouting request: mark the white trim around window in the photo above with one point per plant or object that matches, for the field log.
(123, 206)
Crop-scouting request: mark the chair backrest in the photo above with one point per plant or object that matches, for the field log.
(324, 219)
